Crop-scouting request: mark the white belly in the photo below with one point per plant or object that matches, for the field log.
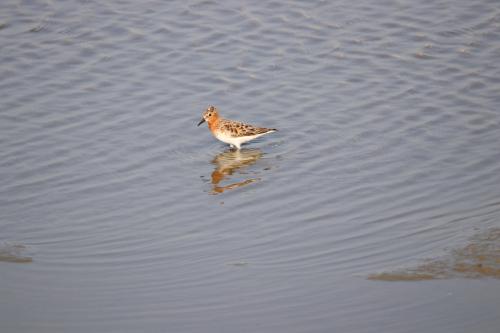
(236, 141)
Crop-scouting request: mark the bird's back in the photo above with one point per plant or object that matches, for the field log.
(239, 129)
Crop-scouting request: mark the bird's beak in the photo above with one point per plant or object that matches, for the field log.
(201, 121)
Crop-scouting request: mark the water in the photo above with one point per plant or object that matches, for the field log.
(118, 214)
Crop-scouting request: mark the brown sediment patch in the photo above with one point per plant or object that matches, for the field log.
(480, 258)
(403, 276)
(13, 253)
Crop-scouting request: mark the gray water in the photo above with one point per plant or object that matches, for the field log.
(118, 214)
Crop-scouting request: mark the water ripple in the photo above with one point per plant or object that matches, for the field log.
(131, 217)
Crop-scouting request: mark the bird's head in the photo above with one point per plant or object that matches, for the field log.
(209, 115)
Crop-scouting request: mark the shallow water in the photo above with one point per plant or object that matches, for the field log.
(130, 218)
(480, 258)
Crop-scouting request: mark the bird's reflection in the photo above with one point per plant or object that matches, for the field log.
(228, 163)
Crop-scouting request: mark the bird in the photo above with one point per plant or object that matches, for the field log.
(234, 133)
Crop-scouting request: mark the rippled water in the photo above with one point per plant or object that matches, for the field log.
(127, 217)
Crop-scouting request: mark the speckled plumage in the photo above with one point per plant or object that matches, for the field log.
(232, 132)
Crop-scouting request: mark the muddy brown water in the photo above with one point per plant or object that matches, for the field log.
(118, 214)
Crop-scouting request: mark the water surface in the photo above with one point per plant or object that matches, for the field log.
(127, 217)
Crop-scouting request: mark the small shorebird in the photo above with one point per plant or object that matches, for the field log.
(229, 131)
